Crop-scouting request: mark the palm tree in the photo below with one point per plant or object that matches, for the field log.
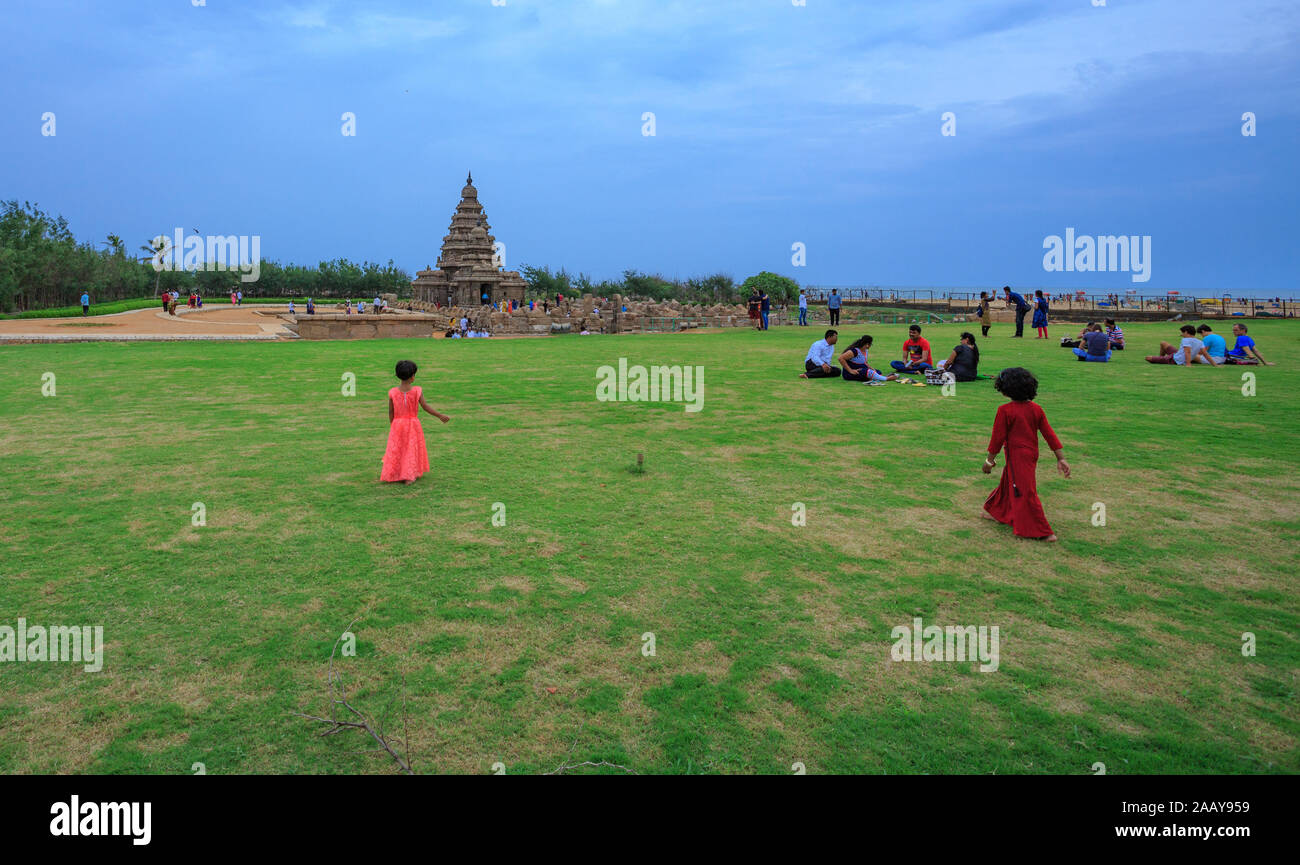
(156, 248)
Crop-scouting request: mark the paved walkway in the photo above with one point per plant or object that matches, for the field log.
(214, 321)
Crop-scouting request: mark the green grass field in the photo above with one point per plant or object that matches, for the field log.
(522, 644)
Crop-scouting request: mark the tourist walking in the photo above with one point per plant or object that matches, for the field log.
(803, 308)
(1015, 429)
(406, 457)
(833, 306)
(85, 303)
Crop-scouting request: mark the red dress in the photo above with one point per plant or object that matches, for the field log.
(1015, 501)
(405, 459)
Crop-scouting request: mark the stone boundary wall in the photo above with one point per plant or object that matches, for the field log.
(390, 325)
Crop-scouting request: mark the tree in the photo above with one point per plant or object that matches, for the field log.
(777, 287)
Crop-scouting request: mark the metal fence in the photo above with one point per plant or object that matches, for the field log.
(964, 300)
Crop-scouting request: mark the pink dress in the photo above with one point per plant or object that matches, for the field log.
(405, 459)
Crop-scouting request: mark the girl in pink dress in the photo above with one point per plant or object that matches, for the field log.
(406, 458)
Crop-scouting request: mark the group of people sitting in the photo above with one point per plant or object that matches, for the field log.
(1198, 344)
(851, 364)
(1095, 344)
(1203, 345)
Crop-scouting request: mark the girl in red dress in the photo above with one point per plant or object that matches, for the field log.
(1016, 427)
(406, 459)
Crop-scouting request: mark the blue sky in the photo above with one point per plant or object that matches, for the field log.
(775, 124)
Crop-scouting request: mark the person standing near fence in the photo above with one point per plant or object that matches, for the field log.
(764, 308)
(1041, 311)
(803, 309)
(986, 318)
(1022, 307)
(833, 306)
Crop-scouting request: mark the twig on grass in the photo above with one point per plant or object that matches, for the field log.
(560, 770)
(338, 696)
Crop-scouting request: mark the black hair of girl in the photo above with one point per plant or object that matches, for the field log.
(1038, 293)
(406, 369)
(970, 337)
(863, 341)
(1016, 383)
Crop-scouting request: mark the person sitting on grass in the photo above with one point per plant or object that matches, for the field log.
(1077, 342)
(1190, 350)
(1243, 351)
(853, 363)
(964, 361)
(916, 353)
(1096, 345)
(818, 362)
(1115, 334)
(1016, 427)
(1215, 346)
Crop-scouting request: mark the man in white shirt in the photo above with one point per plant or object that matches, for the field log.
(820, 362)
(464, 323)
(803, 308)
(1189, 351)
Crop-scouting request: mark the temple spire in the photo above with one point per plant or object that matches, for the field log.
(469, 178)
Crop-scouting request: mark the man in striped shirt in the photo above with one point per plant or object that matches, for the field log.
(1116, 335)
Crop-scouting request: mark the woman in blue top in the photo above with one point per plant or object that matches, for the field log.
(853, 363)
(1040, 314)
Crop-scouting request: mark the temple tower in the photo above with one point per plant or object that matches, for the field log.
(468, 273)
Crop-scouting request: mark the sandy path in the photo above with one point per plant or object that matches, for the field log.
(215, 321)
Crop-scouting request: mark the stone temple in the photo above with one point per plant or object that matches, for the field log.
(468, 274)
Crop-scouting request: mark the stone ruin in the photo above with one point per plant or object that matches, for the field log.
(591, 314)
(409, 318)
